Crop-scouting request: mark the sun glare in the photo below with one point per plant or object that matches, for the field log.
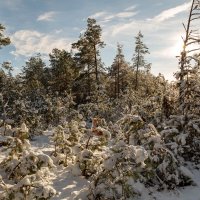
(177, 48)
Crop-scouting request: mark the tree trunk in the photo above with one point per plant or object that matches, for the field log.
(88, 81)
(137, 71)
(96, 65)
(118, 83)
(183, 61)
(115, 85)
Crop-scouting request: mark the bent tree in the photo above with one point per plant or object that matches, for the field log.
(189, 64)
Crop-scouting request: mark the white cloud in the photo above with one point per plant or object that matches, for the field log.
(125, 14)
(57, 31)
(98, 15)
(118, 30)
(48, 16)
(173, 48)
(172, 12)
(107, 16)
(163, 39)
(123, 28)
(129, 28)
(28, 43)
(130, 8)
(120, 15)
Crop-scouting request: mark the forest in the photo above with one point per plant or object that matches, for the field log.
(74, 128)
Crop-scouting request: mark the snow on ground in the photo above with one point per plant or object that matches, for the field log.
(63, 181)
(67, 185)
(184, 193)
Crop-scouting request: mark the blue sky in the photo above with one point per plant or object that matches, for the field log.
(38, 26)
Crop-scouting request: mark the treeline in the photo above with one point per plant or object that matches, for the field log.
(79, 81)
(78, 78)
(82, 73)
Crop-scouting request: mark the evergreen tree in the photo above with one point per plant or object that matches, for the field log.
(63, 70)
(93, 37)
(4, 41)
(88, 57)
(138, 58)
(8, 67)
(32, 73)
(119, 73)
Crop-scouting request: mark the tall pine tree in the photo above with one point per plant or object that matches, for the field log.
(88, 57)
(139, 57)
(119, 73)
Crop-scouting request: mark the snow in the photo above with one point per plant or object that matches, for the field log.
(76, 149)
(75, 170)
(196, 127)
(109, 163)
(69, 184)
(140, 155)
(24, 128)
(186, 172)
(85, 154)
(182, 138)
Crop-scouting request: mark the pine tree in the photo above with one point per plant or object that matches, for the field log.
(119, 72)
(32, 73)
(138, 58)
(4, 41)
(93, 37)
(63, 70)
(88, 56)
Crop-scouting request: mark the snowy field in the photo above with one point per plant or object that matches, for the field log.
(68, 185)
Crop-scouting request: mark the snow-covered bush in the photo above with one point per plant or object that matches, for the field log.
(28, 163)
(88, 152)
(137, 157)
(62, 146)
(65, 137)
(120, 173)
(183, 137)
(86, 163)
(30, 187)
(24, 169)
(161, 159)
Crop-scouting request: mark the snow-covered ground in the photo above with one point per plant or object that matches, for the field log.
(62, 180)
(67, 185)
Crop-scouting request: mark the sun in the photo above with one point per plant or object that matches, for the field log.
(176, 48)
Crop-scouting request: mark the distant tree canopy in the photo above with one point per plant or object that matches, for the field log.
(63, 70)
(32, 73)
(79, 77)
